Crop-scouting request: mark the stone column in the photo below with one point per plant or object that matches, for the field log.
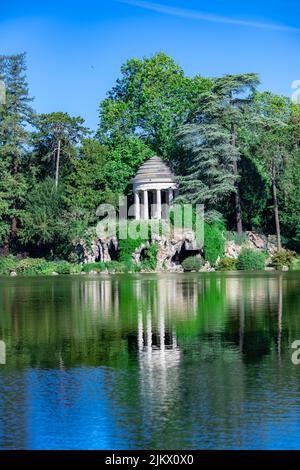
(158, 204)
(137, 205)
(153, 205)
(171, 197)
(146, 204)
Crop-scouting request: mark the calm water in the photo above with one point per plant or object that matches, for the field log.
(200, 361)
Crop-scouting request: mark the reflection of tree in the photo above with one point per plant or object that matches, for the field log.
(95, 320)
(178, 352)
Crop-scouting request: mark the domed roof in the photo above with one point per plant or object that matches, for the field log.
(154, 170)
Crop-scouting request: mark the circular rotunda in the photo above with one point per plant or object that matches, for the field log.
(154, 186)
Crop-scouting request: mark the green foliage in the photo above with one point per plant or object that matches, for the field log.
(192, 263)
(207, 178)
(54, 143)
(41, 219)
(295, 265)
(7, 264)
(283, 258)
(149, 261)
(227, 264)
(33, 266)
(238, 239)
(98, 267)
(127, 247)
(224, 140)
(251, 260)
(150, 100)
(214, 241)
(85, 185)
(15, 116)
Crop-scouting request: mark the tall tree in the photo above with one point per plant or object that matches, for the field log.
(15, 116)
(207, 178)
(151, 99)
(274, 150)
(236, 92)
(55, 140)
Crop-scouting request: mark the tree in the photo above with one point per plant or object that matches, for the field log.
(208, 178)
(150, 100)
(235, 93)
(100, 173)
(86, 182)
(273, 139)
(15, 115)
(41, 221)
(55, 140)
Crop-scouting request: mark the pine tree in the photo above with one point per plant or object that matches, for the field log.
(235, 92)
(15, 116)
(54, 142)
(208, 177)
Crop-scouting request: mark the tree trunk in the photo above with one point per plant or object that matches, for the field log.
(13, 229)
(276, 211)
(237, 197)
(57, 163)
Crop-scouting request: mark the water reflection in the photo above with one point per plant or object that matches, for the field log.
(169, 361)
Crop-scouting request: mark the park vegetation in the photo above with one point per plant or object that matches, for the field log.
(233, 148)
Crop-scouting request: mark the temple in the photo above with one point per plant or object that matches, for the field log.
(154, 187)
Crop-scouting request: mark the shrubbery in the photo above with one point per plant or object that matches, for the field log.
(98, 267)
(283, 258)
(33, 266)
(214, 242)
(150, 257)
(192, 263)
(7, 264)
(295, 266)
(227, 264)
(251, 260)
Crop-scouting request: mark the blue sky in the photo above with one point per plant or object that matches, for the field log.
(75, 49)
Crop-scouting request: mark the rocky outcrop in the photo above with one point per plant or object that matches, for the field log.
(254, 241)
(169, 253)
(99, 250)
(170, 249)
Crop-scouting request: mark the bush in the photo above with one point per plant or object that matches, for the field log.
(227, 264)
(295, 265)
(251, 260)
(192, 263)
(98, 267)
(7, 264)
(117, 267)
(40, 266)
(75, 268)
(60, 267)
(150, 261)
(283, 258)
(127, 246)
(214, 242)
(33, 266)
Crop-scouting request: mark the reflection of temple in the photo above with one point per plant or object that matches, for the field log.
(157, 347)
(104, 296)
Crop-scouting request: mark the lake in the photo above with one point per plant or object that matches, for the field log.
(150, 361)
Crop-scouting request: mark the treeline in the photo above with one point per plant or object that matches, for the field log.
(234, 149)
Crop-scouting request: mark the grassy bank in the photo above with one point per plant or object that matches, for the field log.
(10, 265)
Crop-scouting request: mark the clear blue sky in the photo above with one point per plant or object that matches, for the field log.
(75, 49)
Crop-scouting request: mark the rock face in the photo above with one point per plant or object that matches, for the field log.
(100, 250)
(254, 241)
(172, 249)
